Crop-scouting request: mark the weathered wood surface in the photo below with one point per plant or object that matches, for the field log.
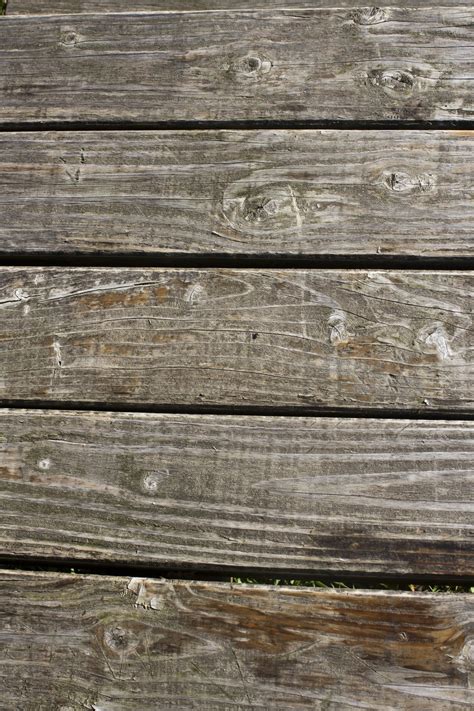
(76, 642)
(287, 495)
(305, 338)
(324, 64)
(51, 7)
(238, 192)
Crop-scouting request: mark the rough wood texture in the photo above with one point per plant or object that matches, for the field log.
(306, 338)
(288, 495)
(117, 644)
(272, 192)
(51, 7)
(326, 64)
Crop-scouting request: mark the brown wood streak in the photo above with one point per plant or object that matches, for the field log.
(267, 192)
(321, 64)
(64, 7)
(277, 494)
(88, 642)
(300, 338)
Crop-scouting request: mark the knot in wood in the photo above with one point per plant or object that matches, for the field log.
(119, 640)
(152, 480)
(338, 333)
(369, 15)
(259, 208)
(403, 183)
(21, 295)
(251, 66)
(266, 208)
(195, 294)
(69, 38)
(465, 658)
(395, 83)
(436, 339)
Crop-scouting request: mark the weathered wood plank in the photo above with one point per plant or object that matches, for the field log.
(76, 642)
(287, 193)
(287, 495)
(324, 64)
(305, 338)
(66, 7)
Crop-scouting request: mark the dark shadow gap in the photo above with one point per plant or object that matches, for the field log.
(241, 125)
(244, 410)
(314, 579)
(177, 260)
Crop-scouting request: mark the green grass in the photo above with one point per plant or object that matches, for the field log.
(3, 7)
(369, 585)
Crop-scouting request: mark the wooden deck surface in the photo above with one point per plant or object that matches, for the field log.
(243, 337)
(236, 339)
(274, 494)
(217, 194)
(128, 643)
(327, 64)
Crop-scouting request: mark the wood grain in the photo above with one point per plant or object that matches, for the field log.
(65, 7)
(246, 337)
(268, 494)
(266, 193)
(119, 644)
(398, 64)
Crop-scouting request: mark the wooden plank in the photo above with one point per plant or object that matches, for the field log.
(323, 64)
(269, 494)
(290, 193)
(74, 641)
(66, 7)
(304, 338)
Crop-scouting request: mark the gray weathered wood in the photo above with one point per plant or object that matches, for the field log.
(238, 192)
(51, 7)
(323, 64)
(306, 338)
(117, 644)
(287, 495)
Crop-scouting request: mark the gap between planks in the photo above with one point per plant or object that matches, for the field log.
(235, 261)
(237, 125)
(228, 410)
(272, 578)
